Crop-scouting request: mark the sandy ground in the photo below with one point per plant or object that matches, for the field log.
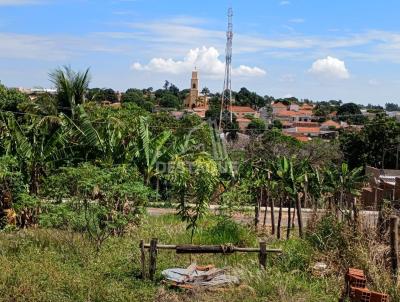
(247, 217)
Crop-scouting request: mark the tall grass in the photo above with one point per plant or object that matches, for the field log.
(55, 265)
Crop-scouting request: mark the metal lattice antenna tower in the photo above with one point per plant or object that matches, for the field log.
(226, 98)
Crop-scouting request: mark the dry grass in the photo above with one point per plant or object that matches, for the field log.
(53, 265)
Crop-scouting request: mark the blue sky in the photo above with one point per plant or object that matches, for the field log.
(316, 49)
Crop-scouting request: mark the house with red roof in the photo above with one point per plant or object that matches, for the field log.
(330, 125)
(278, 106)
(243, 111)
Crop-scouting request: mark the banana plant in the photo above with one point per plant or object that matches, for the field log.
(150, 149)
(37, 144)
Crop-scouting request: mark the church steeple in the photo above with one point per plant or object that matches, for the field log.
(191, 101)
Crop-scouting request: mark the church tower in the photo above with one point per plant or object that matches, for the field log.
(194, 91)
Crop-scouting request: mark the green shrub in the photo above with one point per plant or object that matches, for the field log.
(297, 255)
(328, 234)
(63, 216)
(227, 231)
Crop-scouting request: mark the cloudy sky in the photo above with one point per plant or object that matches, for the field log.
(316, 49)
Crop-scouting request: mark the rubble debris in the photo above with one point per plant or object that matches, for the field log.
(199, 276)
(356, 290)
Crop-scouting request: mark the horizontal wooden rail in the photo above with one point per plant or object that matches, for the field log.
(210, 249)
(153, 247)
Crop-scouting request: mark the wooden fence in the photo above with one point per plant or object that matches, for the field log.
(153, 248)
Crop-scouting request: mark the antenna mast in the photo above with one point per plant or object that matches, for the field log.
(226, 98)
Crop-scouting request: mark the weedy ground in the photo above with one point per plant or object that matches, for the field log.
(58, 265)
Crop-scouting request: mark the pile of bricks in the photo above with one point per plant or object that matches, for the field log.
(356, 288)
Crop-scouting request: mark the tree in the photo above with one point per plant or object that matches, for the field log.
(169, 100)
(205, 91)
(256, 126)
(376, 144)
(246, 98)
(193, 181)
(10, 99)
(392, 107)
(108, 199)
(71, 88)
(351, 113)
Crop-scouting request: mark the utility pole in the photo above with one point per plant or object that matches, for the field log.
(226, 98)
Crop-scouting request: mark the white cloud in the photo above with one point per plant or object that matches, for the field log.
(284, 2)
(54, 47)
(205, 59)
(330, 68)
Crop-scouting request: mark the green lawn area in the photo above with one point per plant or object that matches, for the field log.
(55, 265)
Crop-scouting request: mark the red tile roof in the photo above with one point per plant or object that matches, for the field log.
(331, 123)
(242, 109)
(287, 113)
(279, 104)
(243, 120)
(306, 106)
(305, 124)
(298, 136)
(307, 130)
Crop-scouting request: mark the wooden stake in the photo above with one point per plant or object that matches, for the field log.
(289, 222)
(266, 208)
(143, 259)
(263, 255)
(272, 216)
(394, 246)
(299, 217)
(278, 233)
(153, 258)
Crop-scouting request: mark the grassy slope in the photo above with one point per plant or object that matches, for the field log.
(53, 265)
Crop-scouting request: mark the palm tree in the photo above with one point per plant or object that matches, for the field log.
(71, 87)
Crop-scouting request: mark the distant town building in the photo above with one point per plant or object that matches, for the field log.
(382, 184)
(33, 93)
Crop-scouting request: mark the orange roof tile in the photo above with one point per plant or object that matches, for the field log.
(331, 123)
(305, 112)
(287, 113)
(305, 124)
(298, 136)
(308, 130)
(242, 109)
(243, 120)
(279, 104)
(306, 106)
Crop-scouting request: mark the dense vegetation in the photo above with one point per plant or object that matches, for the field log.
(83, 172)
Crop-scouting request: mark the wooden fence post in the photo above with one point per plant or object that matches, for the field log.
(153, 258)
(263, 255)
(143, 259)
(394, 246)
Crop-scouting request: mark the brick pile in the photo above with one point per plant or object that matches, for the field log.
(356, 288)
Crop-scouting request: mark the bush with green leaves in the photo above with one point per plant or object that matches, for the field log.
(14, 198)
(105, 199)
(327, 234)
